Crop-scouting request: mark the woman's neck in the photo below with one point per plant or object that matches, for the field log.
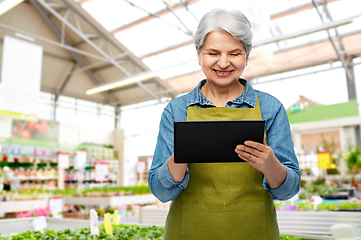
(220, 96)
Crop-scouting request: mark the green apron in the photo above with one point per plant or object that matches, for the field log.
(223, 200)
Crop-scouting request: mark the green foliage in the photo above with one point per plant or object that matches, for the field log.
(129, 232)
(120, 232)
(349, 206)
(330, 206)
(319, 181)
(288, 237)
(305, 206)
(321, 189)
(354, 158)
(114, 191)
(327, 206)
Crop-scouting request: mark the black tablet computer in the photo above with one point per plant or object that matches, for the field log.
(214, 141)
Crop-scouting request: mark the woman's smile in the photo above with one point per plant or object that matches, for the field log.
(222, 73)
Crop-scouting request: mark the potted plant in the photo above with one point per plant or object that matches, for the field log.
(353, 159)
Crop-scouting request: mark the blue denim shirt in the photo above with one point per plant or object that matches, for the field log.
(278, 132)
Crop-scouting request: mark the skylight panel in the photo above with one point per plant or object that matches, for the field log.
(150, 37)
(113, 13)
(176, 62)
(343, 9)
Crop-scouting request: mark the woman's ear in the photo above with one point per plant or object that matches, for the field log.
(199, 57)
(247, 59)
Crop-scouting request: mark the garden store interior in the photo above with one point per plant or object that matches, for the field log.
(83, 85)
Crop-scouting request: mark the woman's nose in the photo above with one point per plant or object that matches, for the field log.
(223, 61)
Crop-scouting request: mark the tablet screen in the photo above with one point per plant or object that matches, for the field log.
(214, 141)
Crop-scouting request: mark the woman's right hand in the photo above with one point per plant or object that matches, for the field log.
(177, 170)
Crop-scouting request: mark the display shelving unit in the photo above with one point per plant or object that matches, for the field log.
(11, 226)
(111, 201)
(22, 206)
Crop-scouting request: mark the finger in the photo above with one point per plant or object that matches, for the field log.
(251, 160)
(249, 149)
(247, 153)
(260, 146)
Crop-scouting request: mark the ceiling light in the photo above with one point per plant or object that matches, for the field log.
(121, 83)
(357, 21)
(6, 5)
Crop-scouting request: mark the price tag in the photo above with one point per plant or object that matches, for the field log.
(141, 166)
(56, 206)
(94, 225)
(115, 217)
(108, 224)
(63, 160)
(39, 224)
(101, 171)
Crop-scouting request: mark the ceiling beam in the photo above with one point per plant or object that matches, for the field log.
(67, 47)
(76, 56)
(81, 34)
(67, 79)
(322, 27)
(340, 56)
(115, 43)
(277, 38)
(153, 16)
(273, 17)
(297, 9)
(170, 8)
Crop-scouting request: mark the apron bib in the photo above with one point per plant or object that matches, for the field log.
(223, 200)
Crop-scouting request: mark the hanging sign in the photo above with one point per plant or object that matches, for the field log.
(5, 127)
(63, 160)
(324, 160)
(20, 79)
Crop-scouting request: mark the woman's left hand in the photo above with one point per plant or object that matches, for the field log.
(258, 155)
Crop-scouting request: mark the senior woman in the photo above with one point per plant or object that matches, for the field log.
(225, 200)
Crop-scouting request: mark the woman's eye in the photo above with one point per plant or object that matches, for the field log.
(235, 54)
(212, 54)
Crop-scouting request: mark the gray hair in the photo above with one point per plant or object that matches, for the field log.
(234, 22)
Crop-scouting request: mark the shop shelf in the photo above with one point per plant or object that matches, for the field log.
(11, 226)
(111, 201)
(22, 206)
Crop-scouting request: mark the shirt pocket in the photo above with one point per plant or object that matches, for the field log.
(241, 221)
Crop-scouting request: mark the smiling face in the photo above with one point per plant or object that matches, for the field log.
(222, 58)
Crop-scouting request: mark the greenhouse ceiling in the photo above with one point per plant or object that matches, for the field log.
(138, 50)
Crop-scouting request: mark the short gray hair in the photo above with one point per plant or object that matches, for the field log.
(234, 22)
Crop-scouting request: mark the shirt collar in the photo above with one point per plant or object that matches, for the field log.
(248, 96)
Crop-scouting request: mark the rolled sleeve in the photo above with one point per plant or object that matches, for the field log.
(167, 180)
(288, 188)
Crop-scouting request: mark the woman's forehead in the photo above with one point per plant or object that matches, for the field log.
(222, 38)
